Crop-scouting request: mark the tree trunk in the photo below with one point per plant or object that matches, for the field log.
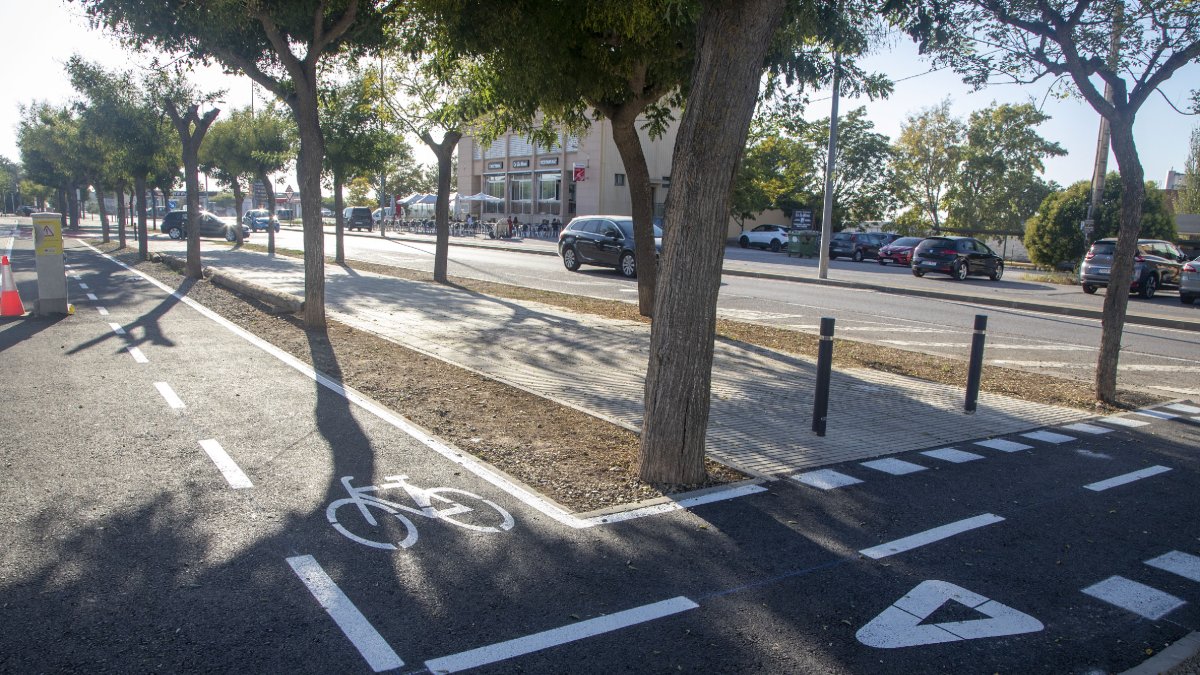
(339, 223)
(121, 215)
(731, 42)
(62, 207)
(444, 152)
(139, 187)
(270, 190)
(73, 207)
(238, 195)
(105, 234)
(637, 177)
(303, 103)
(1116, 298)
(191, 127)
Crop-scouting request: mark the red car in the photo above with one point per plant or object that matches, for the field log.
(899, 251)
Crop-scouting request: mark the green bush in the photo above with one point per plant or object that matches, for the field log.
(1053, 237)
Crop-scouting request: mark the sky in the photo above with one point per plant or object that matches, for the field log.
(41, 35)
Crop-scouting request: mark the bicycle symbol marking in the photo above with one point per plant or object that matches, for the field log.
(484, 516)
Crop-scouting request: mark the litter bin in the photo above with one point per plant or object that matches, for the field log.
(802, 243)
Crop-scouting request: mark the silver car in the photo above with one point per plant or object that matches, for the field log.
(1189, 282)
(1156, 265)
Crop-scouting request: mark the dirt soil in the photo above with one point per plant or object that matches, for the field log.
(579, 461)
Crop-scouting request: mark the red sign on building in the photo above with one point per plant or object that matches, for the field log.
(579, 173)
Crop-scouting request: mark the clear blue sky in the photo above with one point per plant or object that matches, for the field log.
(40, 35)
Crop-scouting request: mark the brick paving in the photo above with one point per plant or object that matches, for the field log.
(761, 399)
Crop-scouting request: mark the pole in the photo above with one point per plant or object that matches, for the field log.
(975, 369)
(827, 211)
(824, 367)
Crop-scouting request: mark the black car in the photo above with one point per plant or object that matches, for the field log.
(26, 210)
(358, 218)
(858, 246)
(959, 257)
(602, 240)
(174, 224)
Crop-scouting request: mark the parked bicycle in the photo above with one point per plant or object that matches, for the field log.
(434, 503)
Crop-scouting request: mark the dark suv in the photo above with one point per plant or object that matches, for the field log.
(602, 240)
(858, 246)
(358, 218)
(1157, 264)
(175, 225)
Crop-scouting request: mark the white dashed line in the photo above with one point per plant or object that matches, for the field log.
(1156, 414)
(952, 455)
(896, 467)
(378, 654)
(1138, 598)
(229, 468)
(92, 297)
(103, 311)
(825, 479)
(930, 536)
(83, 286)
(169, 394)
(1048, 437)
(1183, 408)
(1123, 421)
(1117, 481)
(137, 354)
(1087, 429)
(557, 636)
(1003, 445)
(116, 328)
(1185, 565)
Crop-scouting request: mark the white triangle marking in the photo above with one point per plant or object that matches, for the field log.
(900, 624)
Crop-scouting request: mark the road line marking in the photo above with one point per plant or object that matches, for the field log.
(103, 312)
(930, 536)
(896, 467)
(1123, 421)
(1003, 445)
(825, 479)
(1130, 477)
(229, 468)
(667, 507)
(1036, 364)
(137, 354)
(1087, 429)
(116, 328)
(1183, 408)
(557, 636)
(378, 654)
(1138, 598)
(1159, 369)
(1156, 414)
(952, 455)
(83, 286)
(1048, 437)
(1185, 565)
(92, 297)
(169, 394)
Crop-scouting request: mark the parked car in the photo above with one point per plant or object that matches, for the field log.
(357, 218)
(1157, 264)
(1189, 282)
(326, 213)
(898, 251)
(959, 257)
(174, 224)
(386, 213)
(257, 219)
(858, 246)
(26, 210)
(774, 237)
(602, 240)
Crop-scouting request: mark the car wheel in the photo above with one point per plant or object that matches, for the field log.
(1187, 299)
(1089, 289)
(858, 256)
(775, 246)
(997, 273)
(744, 242)
(1149, 286)
(626, 266)
(230, 235)
(883, 261)
(570, 259)
(918, 273)
(175, 233)
(960, 270)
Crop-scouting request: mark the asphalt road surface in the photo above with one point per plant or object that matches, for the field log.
(178, 496)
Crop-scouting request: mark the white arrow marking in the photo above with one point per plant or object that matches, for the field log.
(900, 624)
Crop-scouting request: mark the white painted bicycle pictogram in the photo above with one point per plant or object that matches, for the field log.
(483, 516)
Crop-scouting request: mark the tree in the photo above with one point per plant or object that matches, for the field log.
(998, 183)
(927, 156)
(777, 169)
(1189, 195)
(272, 141)
(48, 138)
(1133, 48)
(863, 183)
(279, 45)
(10, 184)
(1053, 236)
(225, 155)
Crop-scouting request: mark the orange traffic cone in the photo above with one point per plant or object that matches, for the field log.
(10, 299)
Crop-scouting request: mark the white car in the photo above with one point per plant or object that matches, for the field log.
(774, 237)
(1189, 282)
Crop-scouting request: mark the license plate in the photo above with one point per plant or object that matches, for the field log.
(1100, 270)
(929, 263)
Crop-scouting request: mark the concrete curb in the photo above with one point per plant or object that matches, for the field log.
(1162, 662)
(284, 303)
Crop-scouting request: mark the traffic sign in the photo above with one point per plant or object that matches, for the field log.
(900, 624)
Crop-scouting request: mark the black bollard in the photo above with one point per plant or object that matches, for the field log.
(975, 370)
(824, 363)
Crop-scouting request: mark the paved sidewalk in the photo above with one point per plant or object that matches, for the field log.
(762, 400)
